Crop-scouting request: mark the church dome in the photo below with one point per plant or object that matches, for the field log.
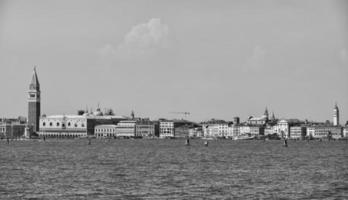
(98, 112)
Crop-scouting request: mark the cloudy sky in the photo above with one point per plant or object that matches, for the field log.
(215, 59)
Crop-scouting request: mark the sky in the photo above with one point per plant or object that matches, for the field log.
(214, 59)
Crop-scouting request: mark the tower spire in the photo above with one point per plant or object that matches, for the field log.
(34, 84)
(336, 115)
(266, 112)
(273, 117)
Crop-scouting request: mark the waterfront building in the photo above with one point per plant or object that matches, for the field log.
(145, 128)
(270, 128)
(12, 128)
(345, 131)
(196, 132)
(282, 127)
(105, 131)
(336, 116)
(235, 130)
(34, 105)
(166, 129)
(181, 131)
(175, 128)
(324, 131)
(253, 130)
(216, 130)
(298, 132)
(126, 128)
(212, 131)
(65, 126)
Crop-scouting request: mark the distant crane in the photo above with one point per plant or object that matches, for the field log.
(182, 113)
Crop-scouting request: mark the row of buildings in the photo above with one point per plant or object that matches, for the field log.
(281, 128)
(104, 126)
(107, 125)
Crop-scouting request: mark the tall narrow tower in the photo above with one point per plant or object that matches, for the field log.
(266, 114)
(34, 102)
(336, 116)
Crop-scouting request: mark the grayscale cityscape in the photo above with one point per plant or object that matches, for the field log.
(103, 123)
(174, 99)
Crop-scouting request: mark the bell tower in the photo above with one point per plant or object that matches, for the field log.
(34, 102)
(336, 116)
(266, 114)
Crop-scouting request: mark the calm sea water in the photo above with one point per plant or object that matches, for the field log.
(167, 169)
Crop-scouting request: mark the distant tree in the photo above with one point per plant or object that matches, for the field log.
(109, 112)
(327, 122)
(80, 112)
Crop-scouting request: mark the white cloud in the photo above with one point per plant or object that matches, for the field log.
(141, 41)
(257, 58)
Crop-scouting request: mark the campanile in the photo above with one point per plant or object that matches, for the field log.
(34, 102)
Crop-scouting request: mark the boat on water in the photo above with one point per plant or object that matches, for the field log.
(244, 137)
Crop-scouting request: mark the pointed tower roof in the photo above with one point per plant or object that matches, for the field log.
(336, 107)
(34, 84)
(273, 116)
(266, 112)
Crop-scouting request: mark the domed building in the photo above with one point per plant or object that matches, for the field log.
(98, 112)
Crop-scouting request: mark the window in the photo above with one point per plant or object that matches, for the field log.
(75, 125)
(58, 124)
(69, 124)
(51, 124)
(82, 125)
(44, 124)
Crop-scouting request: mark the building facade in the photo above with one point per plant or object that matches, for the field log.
(71, 126)
(126, 128)
(166, 129)
(34, 104)
(145, 129)
(324, 131)
(298, 132)
(105, 131)
(252, 130)
(10, 129)
(282, 128)
(216, 130)
(64, 126)
(345, 131)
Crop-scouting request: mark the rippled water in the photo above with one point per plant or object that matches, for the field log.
(167, 169)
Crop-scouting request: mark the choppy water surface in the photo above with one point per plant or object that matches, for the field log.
(167, 169)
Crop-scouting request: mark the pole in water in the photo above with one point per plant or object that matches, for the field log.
(187, 142)
(8, 140)
(285, 143)
(89, 141)
(206, 143)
